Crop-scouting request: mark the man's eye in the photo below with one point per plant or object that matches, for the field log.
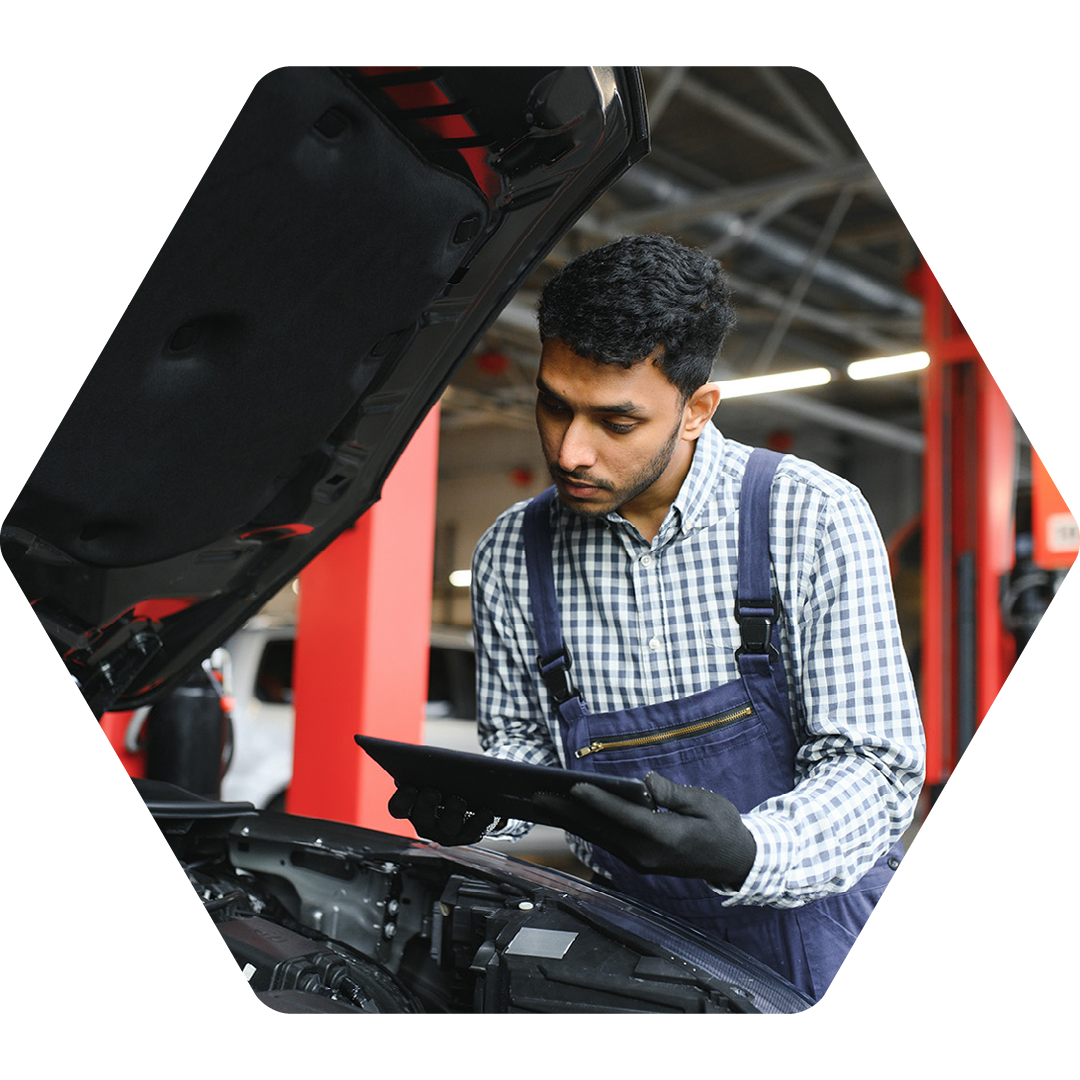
(619, 429)
(552, 405)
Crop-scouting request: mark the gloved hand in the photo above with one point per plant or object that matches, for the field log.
(699, 834)
(444, 819)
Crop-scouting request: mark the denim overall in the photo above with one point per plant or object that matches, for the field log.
(736, 739)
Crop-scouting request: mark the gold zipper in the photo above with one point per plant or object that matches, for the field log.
(665, 734)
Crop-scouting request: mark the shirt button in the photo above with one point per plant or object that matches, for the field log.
(654, 644)
(646, 560)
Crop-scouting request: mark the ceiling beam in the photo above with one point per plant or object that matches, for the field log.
(793, 301)
(833, 322)
(794, 186)
(659, 101)
(759, 126)
(796, 105)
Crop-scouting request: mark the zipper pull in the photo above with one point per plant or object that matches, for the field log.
(590, 749)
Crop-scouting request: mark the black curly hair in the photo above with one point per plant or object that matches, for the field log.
(618, 303)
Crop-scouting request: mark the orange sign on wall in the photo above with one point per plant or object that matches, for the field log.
(1053, 527)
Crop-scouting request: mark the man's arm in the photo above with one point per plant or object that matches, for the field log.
(510, 722)
(861, 761)
(510, 715)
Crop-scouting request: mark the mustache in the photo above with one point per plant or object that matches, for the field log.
(578, 478)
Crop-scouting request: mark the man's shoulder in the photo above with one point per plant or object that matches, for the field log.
(504, 534)
(809, 474)
(510, 520)
(791, 472)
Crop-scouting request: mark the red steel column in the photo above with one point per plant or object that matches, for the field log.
(363, 635)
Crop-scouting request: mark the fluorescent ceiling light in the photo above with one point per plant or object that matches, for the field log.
(461, 579)
(770, 384)
(888, 365)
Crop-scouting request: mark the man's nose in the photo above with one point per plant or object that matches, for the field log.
(576, 450)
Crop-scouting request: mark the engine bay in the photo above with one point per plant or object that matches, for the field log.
(325, 917)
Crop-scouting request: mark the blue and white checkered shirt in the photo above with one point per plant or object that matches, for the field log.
(646, 623)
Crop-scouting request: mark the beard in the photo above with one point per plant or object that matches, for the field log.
(640, 482)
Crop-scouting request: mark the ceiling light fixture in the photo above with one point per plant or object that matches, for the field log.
(770, 384)
(461, 579)
(888, 365)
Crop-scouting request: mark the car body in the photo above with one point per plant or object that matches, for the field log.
(262, 716)
(325, 917)
(349, 244)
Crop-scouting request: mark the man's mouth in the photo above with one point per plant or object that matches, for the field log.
(579, 487)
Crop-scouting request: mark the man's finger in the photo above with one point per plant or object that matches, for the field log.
(401, 802)
(451, 815)
(426, 812)
(672, 796)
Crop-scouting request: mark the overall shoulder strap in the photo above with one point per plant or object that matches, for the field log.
(553, 660)
(756, 608)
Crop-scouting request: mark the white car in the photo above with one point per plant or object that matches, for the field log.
(259, 674)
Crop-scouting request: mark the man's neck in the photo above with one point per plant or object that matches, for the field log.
(648, 511)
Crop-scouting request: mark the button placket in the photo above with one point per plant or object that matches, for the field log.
(648, 585)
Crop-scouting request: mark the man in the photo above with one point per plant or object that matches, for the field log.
(718, 621)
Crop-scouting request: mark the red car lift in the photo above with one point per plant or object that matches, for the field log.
(1001, 548)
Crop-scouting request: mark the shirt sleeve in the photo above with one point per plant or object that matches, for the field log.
(861, 762)
(511, 724)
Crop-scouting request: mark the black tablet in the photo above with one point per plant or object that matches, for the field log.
(506, 788)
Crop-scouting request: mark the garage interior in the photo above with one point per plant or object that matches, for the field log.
(756, 166)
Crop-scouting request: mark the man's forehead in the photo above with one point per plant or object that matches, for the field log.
(564, 372)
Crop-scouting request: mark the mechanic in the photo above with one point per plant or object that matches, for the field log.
(715, 619)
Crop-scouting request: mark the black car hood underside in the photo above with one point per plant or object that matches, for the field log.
(343, 253)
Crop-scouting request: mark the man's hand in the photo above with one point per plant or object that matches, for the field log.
(699, 834)
(444, 819)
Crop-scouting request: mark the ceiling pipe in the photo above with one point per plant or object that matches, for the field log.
(821, 412)
(667, 193)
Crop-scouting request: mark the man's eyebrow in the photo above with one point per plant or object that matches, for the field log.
(625, 408)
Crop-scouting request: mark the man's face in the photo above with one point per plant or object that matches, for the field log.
(613, 437)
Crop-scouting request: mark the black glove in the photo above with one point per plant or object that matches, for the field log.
(444, 819)
(701, 834)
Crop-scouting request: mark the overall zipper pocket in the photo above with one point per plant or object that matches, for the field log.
(663, 735)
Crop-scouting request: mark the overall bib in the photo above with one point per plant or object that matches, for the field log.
(735, 739)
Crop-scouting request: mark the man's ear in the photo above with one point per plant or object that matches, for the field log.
(699, 409)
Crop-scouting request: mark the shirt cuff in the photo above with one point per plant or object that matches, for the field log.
(764, 884)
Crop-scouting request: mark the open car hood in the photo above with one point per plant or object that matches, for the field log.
(354, 236)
